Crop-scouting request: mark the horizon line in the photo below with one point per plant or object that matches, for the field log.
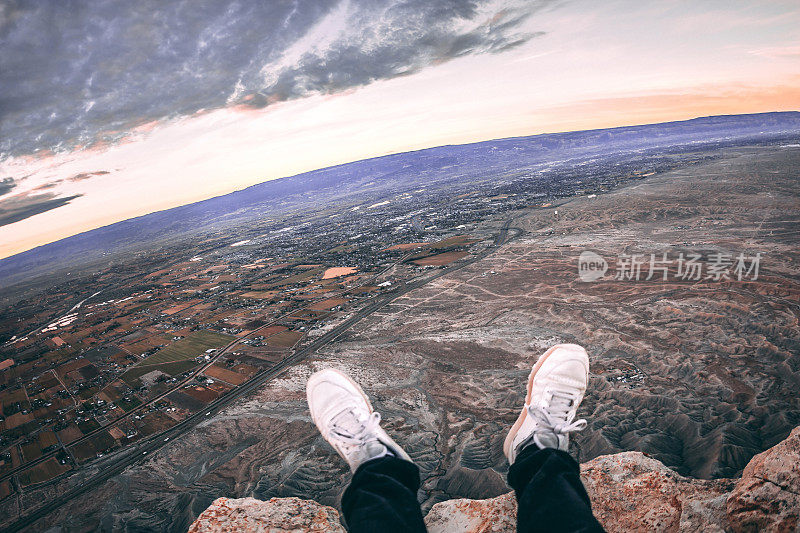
(390, 154)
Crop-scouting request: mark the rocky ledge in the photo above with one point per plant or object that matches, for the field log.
(629, 491)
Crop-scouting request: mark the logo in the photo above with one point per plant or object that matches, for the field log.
(591, 266)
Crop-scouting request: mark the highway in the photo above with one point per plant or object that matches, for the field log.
(140, 451)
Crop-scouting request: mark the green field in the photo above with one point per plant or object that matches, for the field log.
(88, 426)
(193, 345)
(129, 403)
(178, 356)
(88, 392)
(297, 278)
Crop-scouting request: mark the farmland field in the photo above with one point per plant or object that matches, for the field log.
(407, 246)
(70, 433)
(193, 345)
(128, 403)
(271, 330)
(336, 272)
(47, 439)
(260, 295)
(31, 451)
(201, 394)
(440, 259)
(325, 305)
(100, 443)
(297, 278)
(284, 339)
(131, 377)
(154, 423)
(226, 375)
(42, 472)
(88, 426)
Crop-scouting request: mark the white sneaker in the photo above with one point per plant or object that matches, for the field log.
(344, 416)
(556, 387)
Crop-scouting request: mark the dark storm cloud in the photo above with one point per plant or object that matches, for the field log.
(24, 206)
(422, 42)
(70, 70)
(6, 184)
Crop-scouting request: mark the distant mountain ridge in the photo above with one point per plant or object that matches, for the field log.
(408, 169)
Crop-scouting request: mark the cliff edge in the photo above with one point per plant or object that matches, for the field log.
(629, 491)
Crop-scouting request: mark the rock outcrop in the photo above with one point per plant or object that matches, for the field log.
(629, 491)
(633, 492)
(276, 515)
(495, 515)
(767, 497)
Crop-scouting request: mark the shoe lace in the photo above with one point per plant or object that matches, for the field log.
(347, 427)
(556, 417)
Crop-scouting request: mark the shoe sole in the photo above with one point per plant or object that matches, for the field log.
(353, 383)
(395, 447)
(512, 433)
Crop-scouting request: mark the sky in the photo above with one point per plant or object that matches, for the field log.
(111, 109)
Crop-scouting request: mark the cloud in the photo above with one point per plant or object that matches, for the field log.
(6, 184)
(77, 73)
(86, 175)
(23, 206)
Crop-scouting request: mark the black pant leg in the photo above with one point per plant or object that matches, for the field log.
(550, 494)
(382, 498)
